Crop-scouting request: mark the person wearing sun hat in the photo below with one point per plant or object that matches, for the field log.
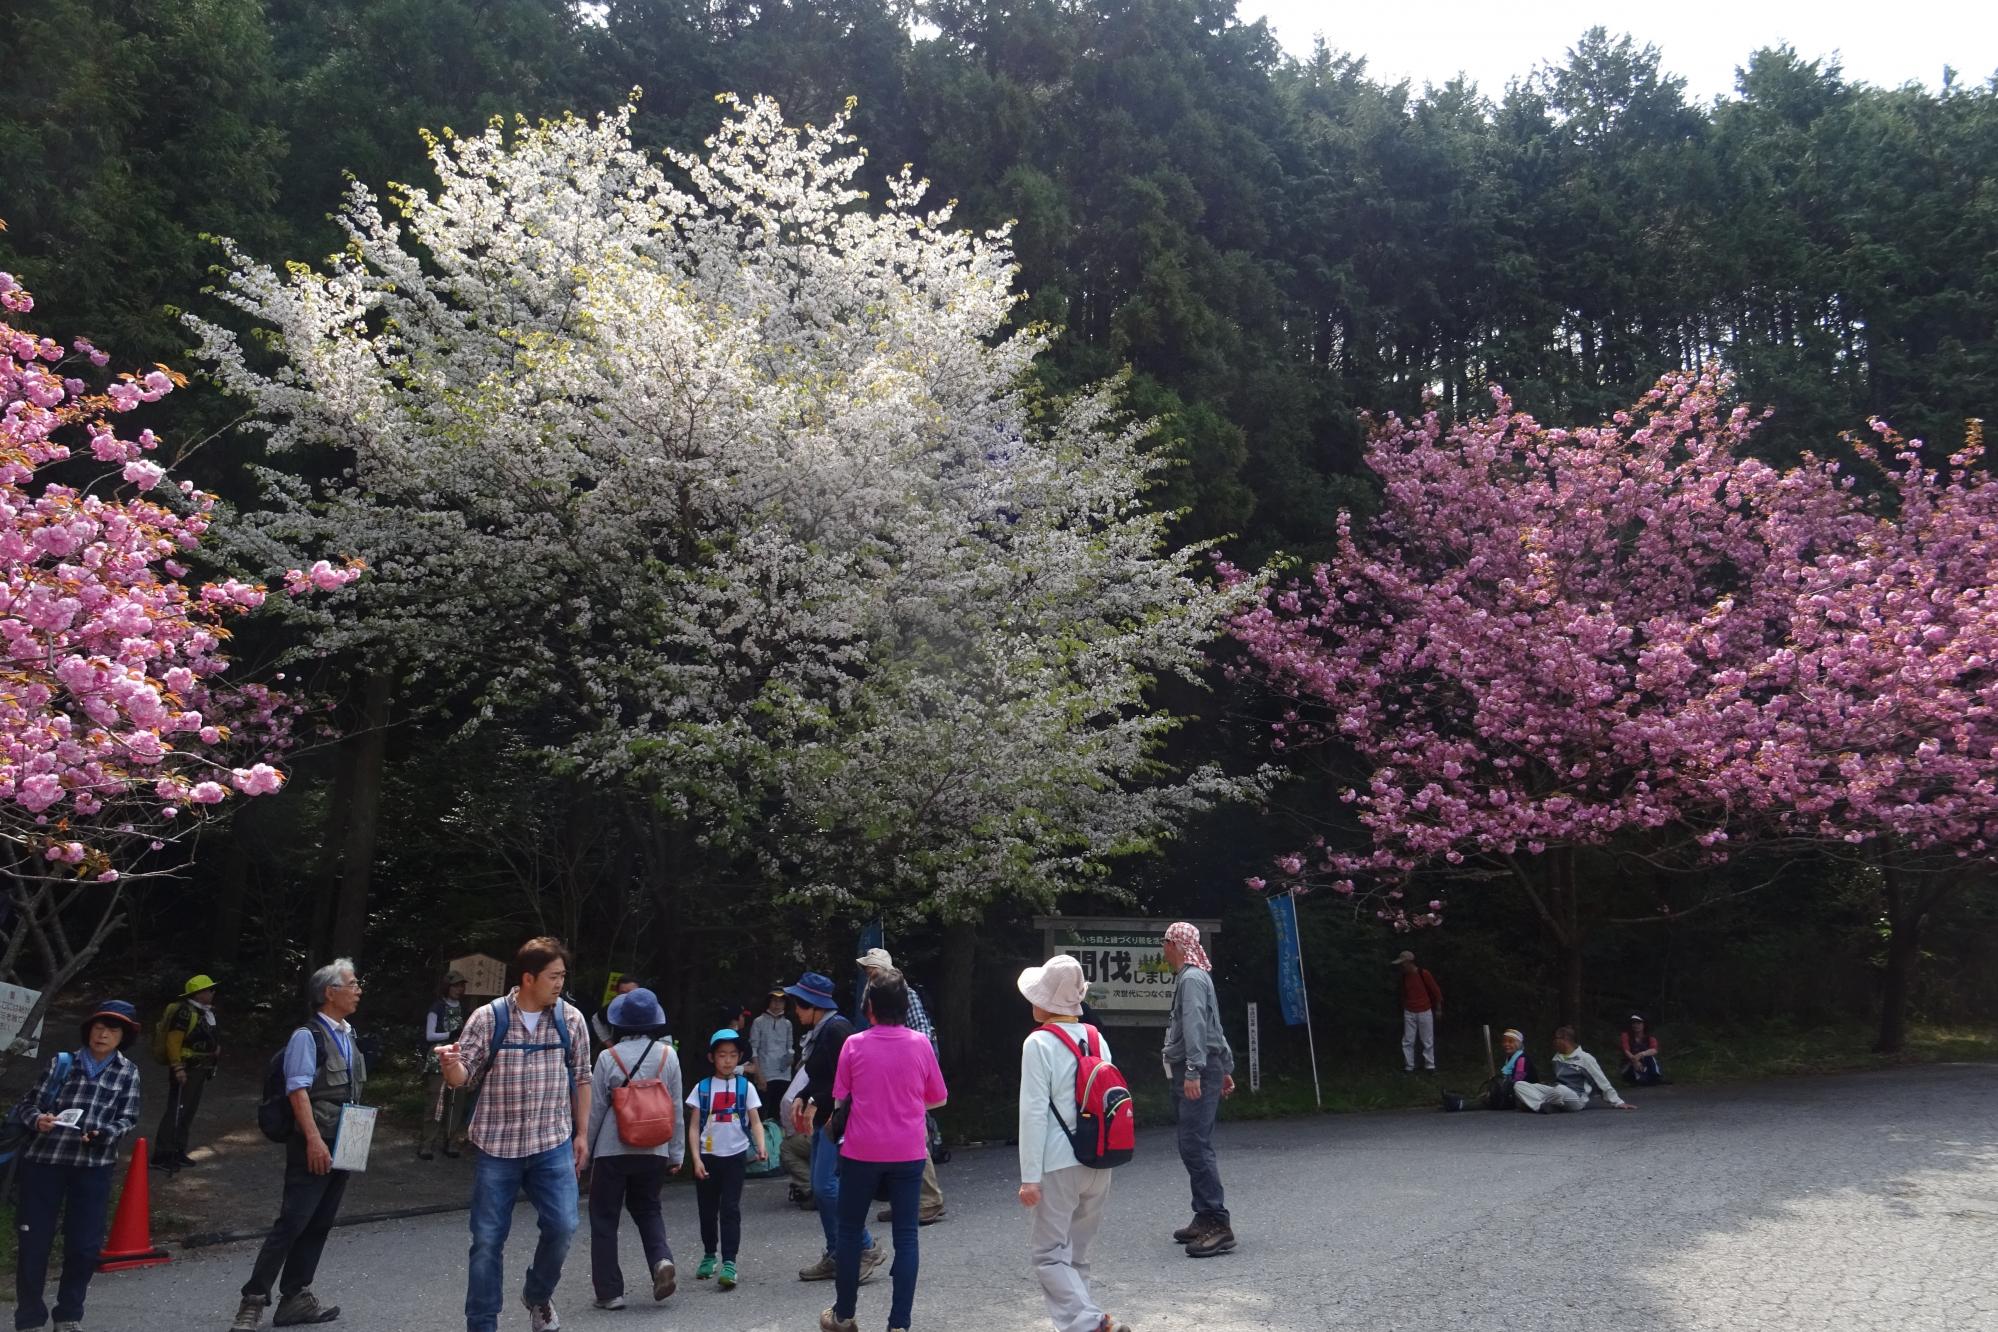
(1200, 1071)
(812, 1105)
(191, 1048)
(624, 1177)
(80, 1109)
(1068, 1199)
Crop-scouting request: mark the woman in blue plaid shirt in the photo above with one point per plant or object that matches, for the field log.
(68, 1168)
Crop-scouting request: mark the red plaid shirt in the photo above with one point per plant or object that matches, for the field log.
(527, 1100)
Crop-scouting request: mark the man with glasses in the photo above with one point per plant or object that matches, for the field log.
(323, 1070)
(529, 1053)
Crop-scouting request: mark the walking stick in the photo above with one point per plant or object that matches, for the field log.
(1491, 1061)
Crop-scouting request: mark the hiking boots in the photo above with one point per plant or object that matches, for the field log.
(870, 1259)
(301, 1308)
(930, 1216)
(249, 1314)
(1192, 1230)
(664, 1279)
(822, 1270)
(1218, 1238)
(832, 1322)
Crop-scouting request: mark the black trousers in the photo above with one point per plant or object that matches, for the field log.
(290, 1256)
(630, 1183)
(83, 1195)
(183, 1101)
(720, 1199)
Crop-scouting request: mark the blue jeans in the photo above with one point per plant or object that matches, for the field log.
(550, 1180)
(858, 1183)
(1196, 1140)
(83, 1195)
(825, 1191)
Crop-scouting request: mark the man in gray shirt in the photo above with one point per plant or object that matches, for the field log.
(1200, 1069)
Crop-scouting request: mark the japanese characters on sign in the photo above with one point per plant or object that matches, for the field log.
(1126, 970)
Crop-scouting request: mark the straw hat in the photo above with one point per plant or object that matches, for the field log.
(1056, 986)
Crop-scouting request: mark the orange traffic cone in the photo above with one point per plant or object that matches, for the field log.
(131, 1242)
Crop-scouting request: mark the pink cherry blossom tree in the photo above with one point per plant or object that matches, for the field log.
(120, 731)
(1871, 724)
(1510, 655)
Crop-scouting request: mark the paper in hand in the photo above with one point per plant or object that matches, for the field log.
(353, 1138)
(70, 1118)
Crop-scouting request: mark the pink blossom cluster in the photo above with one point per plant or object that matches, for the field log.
(114, 711)
(1557, 638)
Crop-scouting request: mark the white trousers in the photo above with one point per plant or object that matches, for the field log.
(1414, 1026)
(1533, 1095)
(1073, 1200)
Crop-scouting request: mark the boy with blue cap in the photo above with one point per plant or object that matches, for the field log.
(723, 1125)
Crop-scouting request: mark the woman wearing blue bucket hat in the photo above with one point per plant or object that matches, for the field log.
(631, 1158)
(76, 1115)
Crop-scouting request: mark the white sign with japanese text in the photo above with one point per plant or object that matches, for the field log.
(15, 1001)
(1123, 960)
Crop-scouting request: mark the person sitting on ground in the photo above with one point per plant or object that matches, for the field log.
(1517, 1068)
(1577, 1077)
(1640, 1054)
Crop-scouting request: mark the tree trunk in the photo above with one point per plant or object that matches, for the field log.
(1904, 950)
(1571, 982)
(955, 1035)
(369, 758)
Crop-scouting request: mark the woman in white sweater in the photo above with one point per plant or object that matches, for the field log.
(1068, 1200)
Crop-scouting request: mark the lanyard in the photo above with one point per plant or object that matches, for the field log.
(344, 1041)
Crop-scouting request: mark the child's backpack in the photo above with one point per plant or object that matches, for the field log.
(1106, 1123)
(643, 1106)
(14, 1135)
(738, 1111)
(274, 1117)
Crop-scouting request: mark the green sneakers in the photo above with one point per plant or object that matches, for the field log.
(727, 1281)
(706, 1269)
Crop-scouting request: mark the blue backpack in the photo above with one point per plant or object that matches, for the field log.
(15, 1135)
(503, 1015)
(737, 1113)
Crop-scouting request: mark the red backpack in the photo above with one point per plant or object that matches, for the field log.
(643, 1107)
(1106, 1125)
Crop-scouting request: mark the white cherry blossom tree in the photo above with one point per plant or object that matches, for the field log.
(735, 480)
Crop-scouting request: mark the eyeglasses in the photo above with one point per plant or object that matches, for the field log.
(354, 984)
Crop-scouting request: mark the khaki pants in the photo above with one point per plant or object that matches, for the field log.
(1073, 1200)
(932, 1195)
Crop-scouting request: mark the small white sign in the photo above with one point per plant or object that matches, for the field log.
(1255, 1050)
(353, 1137)
(15, 1001)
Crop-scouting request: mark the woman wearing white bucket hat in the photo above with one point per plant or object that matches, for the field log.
(1068, 1198)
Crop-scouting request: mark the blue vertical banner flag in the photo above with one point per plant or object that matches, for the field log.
(1290, 959)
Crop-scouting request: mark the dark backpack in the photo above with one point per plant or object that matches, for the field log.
(274, 1117)
(1106, 1124)
(14, 1135)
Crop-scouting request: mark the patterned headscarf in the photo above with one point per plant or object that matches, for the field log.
(1188, 937)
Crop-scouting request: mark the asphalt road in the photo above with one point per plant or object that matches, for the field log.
(1852, 1202)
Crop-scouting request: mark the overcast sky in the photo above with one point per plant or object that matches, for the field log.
(1885, 42)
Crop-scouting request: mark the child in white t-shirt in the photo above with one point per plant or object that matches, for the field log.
(723, 1127)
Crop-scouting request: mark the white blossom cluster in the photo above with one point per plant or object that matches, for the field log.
(736, 480)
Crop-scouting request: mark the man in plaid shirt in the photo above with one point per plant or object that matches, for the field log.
(530, 1054)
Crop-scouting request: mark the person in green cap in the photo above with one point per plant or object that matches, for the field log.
(188, 1043)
